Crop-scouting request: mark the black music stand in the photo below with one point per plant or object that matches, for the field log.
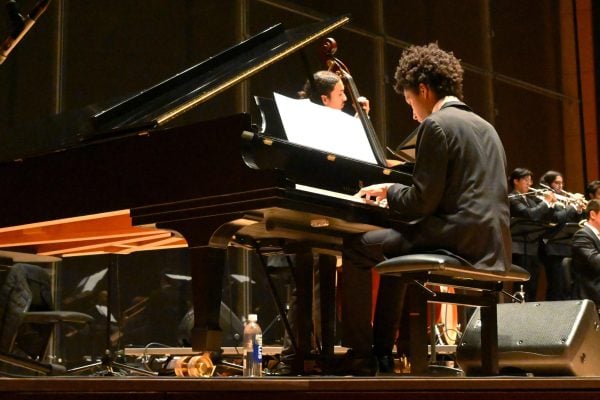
(561, 234)
(527, 233)
(557, 247)
(107, 362)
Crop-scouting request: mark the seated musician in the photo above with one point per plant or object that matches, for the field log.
(326, 89)
(457, 202)
(592, 190)
(586, 255)
(533, 206)
(569, 208)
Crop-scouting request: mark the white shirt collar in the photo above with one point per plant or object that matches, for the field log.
(593, 229)
(446, 99)
(438, 105)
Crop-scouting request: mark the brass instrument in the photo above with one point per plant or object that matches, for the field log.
(539, 193)
(567, 198)
(560, 199)
(195, 366)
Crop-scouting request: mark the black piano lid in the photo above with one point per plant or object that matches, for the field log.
(197, 84)
(168, 99)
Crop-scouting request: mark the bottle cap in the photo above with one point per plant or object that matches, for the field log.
(252, 317)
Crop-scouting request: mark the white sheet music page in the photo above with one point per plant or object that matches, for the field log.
(324, 128)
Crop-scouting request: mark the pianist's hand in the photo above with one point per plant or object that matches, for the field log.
(375, 195)
(394, 163)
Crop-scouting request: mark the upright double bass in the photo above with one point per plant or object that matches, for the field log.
(333, 64)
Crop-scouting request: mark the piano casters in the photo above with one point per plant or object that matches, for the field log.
(107, 365)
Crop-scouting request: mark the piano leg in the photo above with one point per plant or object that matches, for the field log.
(327, 301)
(301, 317)
(208, 268)
(207, 265)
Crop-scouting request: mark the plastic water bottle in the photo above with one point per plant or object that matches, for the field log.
(252, 347)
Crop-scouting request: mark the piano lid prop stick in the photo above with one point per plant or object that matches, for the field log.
(14, 38)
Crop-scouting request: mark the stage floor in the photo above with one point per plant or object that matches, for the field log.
(329, 388)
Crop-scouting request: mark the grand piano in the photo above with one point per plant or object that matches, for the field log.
(114, 179)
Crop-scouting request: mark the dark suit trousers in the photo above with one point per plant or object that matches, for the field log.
(360, 254)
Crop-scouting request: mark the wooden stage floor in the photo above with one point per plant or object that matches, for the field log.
(328, 388)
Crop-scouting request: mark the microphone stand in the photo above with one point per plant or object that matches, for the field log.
(21, 25)
(108, 361)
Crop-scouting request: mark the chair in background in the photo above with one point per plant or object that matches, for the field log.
(28, 319)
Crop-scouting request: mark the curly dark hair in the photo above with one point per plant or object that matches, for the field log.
(429, 64)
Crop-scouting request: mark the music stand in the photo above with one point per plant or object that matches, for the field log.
(526, 235)
(557, 248)
(527, 232)
(561, 235)
(107, 361)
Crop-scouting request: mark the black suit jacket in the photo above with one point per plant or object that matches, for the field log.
(524, 208)
(534, 209)
(586, 264)
(530, 208)
(458, 200)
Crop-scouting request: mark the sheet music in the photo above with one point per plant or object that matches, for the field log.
(88, 283)
(103, 310)
(324, 128)
(179, 277)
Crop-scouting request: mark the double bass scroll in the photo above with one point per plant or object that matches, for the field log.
(328, 50)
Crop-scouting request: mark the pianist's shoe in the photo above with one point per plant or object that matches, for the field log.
(385, 365)
(356, 365)
(281, 368)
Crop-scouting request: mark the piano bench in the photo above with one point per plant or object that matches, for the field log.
(477, 287)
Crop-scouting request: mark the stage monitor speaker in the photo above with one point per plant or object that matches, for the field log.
(551, 338)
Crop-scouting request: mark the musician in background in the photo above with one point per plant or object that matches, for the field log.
(586, 255)
(525, 205)
(457, 202)
(555, 181)
(592, 190)
(327, 89)
(552, 253)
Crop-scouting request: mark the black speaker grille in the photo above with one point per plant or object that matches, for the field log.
(549, 338)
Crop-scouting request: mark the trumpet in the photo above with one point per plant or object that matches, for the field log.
(532, 192)
(567, 198)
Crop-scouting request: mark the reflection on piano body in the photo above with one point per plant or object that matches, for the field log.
(114, 180)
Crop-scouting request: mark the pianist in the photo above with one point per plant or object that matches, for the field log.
(457, 202)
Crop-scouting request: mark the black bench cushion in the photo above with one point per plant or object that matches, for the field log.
(447, 265)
